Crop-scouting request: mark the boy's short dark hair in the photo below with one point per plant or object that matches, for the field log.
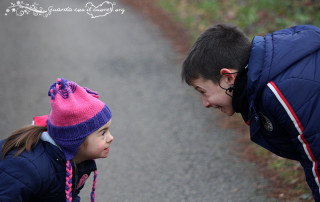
(220, 46)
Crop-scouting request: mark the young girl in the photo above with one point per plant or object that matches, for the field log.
(51, 160)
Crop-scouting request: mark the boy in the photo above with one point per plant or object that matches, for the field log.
(273, 82)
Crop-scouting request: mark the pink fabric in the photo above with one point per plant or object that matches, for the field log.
(41, 120)
(80, 106)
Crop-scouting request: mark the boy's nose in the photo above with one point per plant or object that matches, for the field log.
(206, 104)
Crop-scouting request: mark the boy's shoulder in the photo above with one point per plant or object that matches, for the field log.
(297, 29)
(273, 54)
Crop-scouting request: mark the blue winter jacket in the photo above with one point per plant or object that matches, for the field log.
(283, 88)
(39, 175)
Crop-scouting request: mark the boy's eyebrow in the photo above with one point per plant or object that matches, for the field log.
(198, 88)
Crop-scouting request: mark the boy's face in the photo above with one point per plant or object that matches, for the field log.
(213, 95)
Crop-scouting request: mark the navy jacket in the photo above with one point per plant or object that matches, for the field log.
(283, 89)
(39, 175)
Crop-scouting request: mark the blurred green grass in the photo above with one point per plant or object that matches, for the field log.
(254, 17)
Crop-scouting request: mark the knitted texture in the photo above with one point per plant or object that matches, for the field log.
(93, 192)
(76, 112)
(68, 182)
(68, 188)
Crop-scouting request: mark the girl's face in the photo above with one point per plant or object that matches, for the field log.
(96, 145)
(213, 95)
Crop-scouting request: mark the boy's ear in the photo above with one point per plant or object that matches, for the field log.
(225, 71)
(228, 75)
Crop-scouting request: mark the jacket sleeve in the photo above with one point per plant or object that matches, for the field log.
(19, 179)
(298, 111)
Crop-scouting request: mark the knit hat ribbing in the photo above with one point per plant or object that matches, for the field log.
(76, 112)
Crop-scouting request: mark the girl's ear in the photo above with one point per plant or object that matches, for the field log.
(228, 75)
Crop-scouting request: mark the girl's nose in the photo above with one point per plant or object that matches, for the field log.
(110, 138)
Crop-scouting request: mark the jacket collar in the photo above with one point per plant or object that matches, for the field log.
(47, 138)
(239, 97)
(53, 149)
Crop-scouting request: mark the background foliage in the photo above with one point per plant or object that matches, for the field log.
(254, 17)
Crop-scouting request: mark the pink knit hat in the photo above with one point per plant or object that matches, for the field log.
(76, 112)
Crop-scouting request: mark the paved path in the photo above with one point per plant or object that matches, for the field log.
(167, 147)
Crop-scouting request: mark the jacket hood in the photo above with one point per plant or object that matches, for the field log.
(274, 53)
